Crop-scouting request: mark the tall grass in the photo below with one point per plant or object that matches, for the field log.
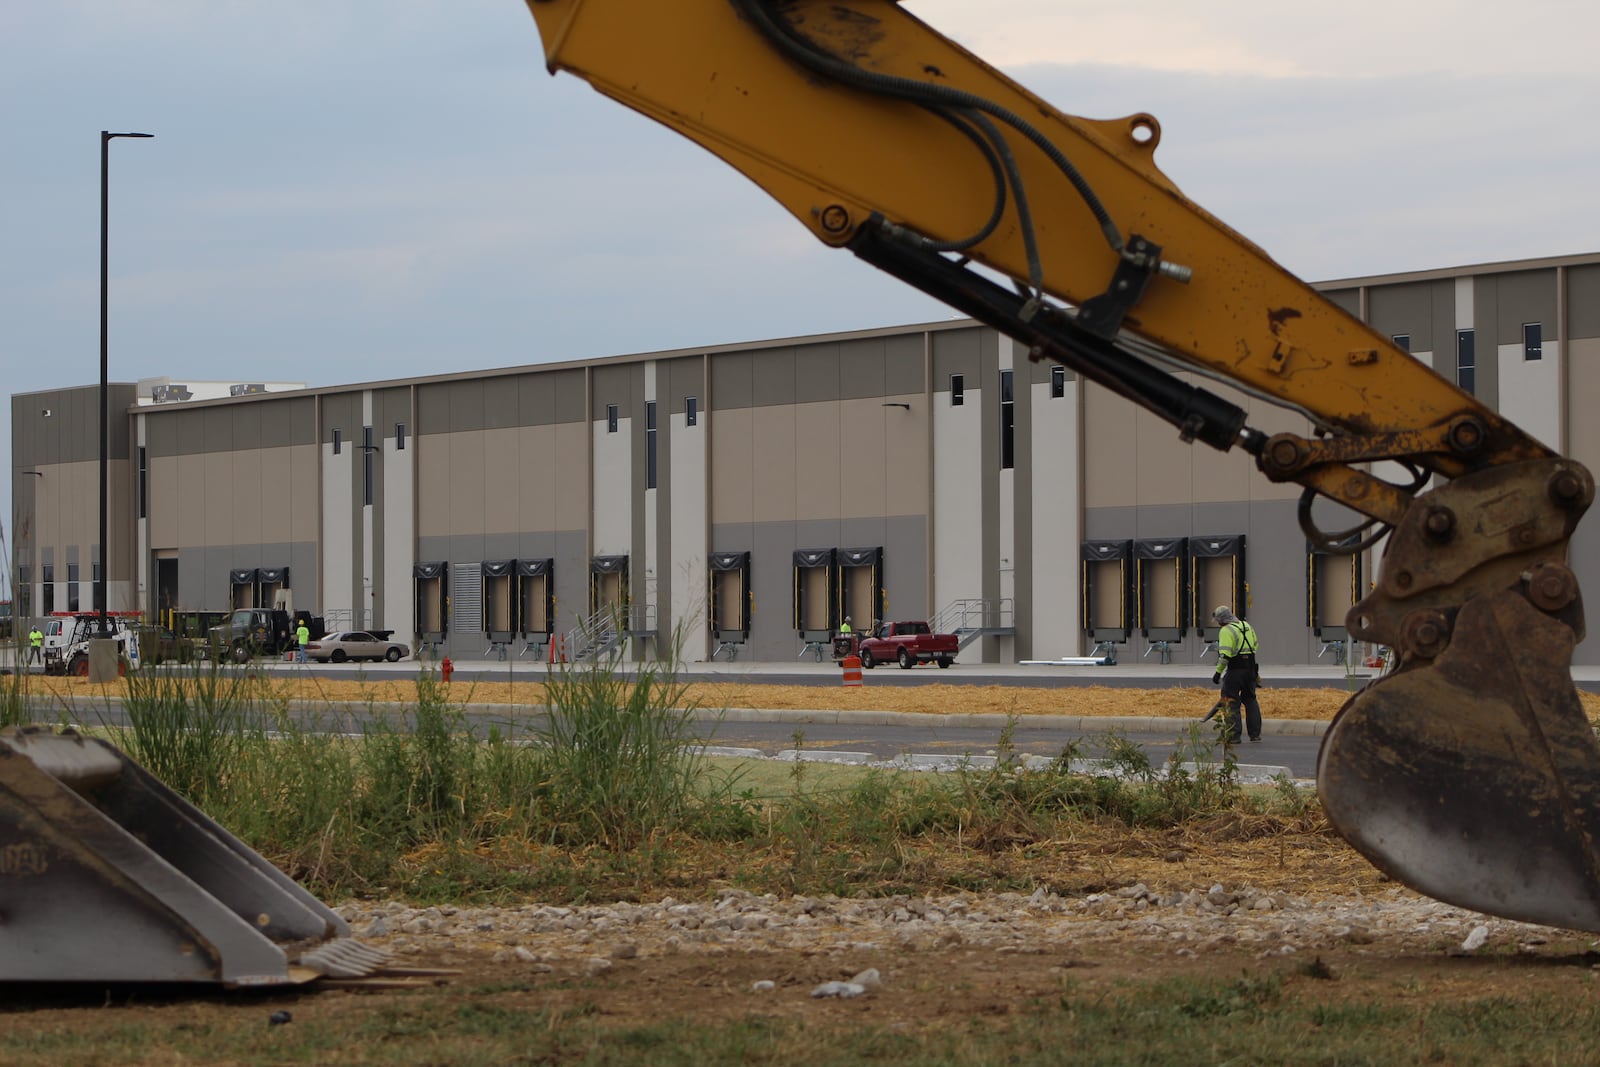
(191, 725)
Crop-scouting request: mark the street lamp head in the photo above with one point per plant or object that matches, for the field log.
(107, 134)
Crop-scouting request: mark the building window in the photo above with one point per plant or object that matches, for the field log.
(1466, 360)
(650, 444)
(48, 590)
(611, 418)
(691, 411)
(144, 482)
(1007, 422)
(338, 441)
(1058, 382)
(72, 587)
(1532, 340)
(958, 390)
(367, 448)
(1402, 341)
(399, 437)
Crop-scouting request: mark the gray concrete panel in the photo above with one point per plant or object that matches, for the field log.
(1583, 301)
(817, 373)
(246, 429)
(956, 352)
(1526, 296)
(217, 428)
(303, 421)
(191, 432)
(1404, 309)
(466, 405)
(501, 404)
(682, 378)
(620, 384)
(732, 380)
(433, 408)
(160, 435)
(341, 412)
(903, 363)
(569, 390)
(861, 368)
(536, 399)
(390, 406)
(773, 377)
(1349, 299)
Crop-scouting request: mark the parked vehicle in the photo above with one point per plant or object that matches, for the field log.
(66, 643)
(345, 645)
(908, 644)
(157, 644)
(260, 632)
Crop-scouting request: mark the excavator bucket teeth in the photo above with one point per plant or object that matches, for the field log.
(1476, 779)
(106, 875)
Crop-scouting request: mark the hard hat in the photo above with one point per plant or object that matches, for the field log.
(1221, 611)
(847, 618)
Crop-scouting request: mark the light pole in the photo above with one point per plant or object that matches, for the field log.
(105, 411)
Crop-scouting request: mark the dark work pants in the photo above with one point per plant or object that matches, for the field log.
(1239, 687)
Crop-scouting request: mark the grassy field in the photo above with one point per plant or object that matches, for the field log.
(612, 804)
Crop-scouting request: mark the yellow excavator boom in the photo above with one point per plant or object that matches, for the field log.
(1468, 773)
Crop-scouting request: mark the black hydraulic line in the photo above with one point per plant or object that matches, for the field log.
(1051, 334)
(814, 58)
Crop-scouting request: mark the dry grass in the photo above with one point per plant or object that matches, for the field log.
(934, 697)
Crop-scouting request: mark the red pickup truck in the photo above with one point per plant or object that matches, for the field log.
(908, 644)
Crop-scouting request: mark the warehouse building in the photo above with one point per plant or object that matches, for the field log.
(739, 501)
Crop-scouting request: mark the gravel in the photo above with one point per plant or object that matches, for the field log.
(1186, 923)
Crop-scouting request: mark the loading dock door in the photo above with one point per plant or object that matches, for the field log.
(1107, 582)
(536, 601)
(730, 598)
(499, 607)
(815, 611)
(1161, 574)
(275, 587)
(861, 594)
(608, 588)
(244, 588)
(1218, 577)
(432, 615)
(1333, 585)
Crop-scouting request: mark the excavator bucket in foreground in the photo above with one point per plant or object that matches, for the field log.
(106, 875)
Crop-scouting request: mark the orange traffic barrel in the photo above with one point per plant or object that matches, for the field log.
(852, 670)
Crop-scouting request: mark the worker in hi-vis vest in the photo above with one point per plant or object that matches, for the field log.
(1237, 672)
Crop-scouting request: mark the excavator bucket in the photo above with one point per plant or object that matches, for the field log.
(106, 875)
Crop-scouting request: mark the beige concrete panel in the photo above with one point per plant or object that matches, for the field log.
(467, 486)
(905, 451)
(1164, 466)
(733, 445)
(1110, 444)
(863, 468)
(218, 507)
(818, 459)
(275, 506)
(163, 489)
(1583, 384)
(537, 462)
(191, 501)
(249, 503)
(773, 455)
(501, 480)
(303, 493)
(572, 476)
(433, 484)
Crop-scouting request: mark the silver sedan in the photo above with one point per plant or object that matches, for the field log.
(345, 645)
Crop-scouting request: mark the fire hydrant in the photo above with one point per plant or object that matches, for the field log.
(446, 669)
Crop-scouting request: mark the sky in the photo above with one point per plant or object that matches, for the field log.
(363, 190)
